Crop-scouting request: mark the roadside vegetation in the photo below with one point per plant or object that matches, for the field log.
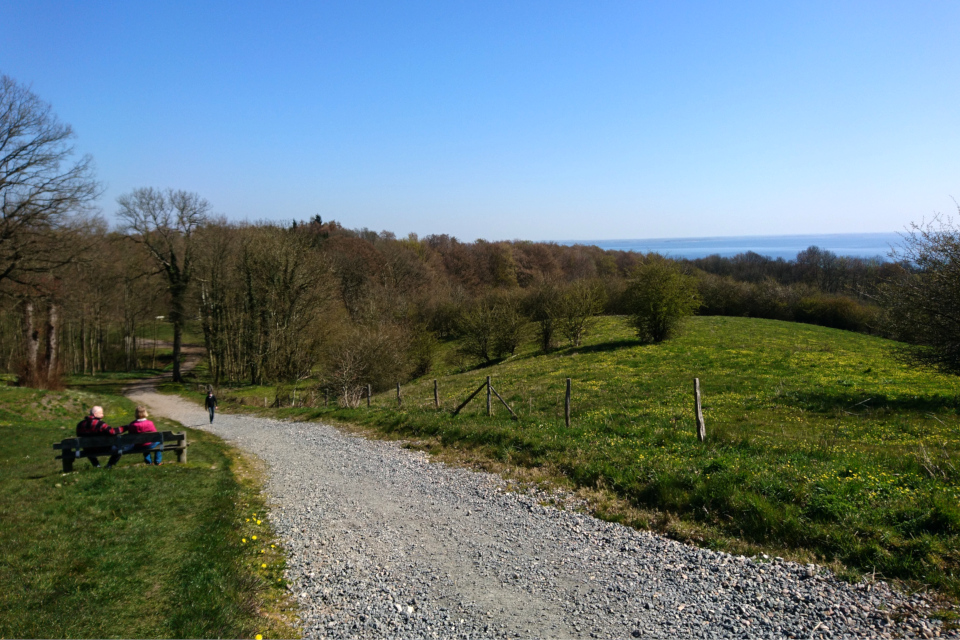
(136, 551)
(820, 445)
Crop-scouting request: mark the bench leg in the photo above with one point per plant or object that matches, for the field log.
(67, 457)
(181, 455)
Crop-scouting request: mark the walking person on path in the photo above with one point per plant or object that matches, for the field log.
(94, 425)
(211, 404)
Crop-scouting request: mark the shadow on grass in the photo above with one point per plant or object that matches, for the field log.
(861, 402)
(480, 366)
(603, 347)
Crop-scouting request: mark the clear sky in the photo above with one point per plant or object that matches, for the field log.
(534, 120)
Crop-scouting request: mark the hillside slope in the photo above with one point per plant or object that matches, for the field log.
(819, 443)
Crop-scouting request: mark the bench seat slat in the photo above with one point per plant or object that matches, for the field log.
(175, 442)
(166, 447)
(90, 442)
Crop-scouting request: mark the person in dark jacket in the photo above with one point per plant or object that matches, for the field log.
(210, 402)
(93, 425)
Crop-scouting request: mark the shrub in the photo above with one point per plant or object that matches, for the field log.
(541, 307)
(658, 297)
(376, 355)
(492, 327)
(576, 309)
(838, 312)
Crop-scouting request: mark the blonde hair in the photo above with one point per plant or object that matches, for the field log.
(142, 412)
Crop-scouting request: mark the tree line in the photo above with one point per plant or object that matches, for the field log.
(312, 300)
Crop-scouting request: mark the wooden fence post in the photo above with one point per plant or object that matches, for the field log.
(436, 395)
(701, 428)
(399, 398)
(566, 406)
(326, 397)
(489, 404)
(368, 395)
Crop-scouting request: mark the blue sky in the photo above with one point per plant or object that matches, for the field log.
(534, 120)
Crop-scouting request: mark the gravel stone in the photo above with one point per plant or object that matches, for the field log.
(384, 543)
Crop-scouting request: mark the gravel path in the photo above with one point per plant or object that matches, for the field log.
(383, 543)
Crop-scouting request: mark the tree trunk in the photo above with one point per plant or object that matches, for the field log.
(53, 326)
(31, 345)
(177, 340)
(98, 352)
(83, 341)
(176, 315)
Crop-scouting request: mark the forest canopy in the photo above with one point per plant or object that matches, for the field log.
(316, 303)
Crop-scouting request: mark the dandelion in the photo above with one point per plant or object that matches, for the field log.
(259, 637)
(253, 537)
(258, 522)
(248, 519)
(263, 566)
(243, 540)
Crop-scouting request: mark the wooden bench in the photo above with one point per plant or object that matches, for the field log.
(70, 446)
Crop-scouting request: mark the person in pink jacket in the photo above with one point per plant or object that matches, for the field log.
(153, 452)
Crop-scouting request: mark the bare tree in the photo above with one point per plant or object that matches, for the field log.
(44, 198)
(576, 310)
(44, 192)
(165, 221)
(922, 298)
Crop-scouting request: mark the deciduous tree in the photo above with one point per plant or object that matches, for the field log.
(659, 296)
(165, 222)
(922, 300)
(45, 196)
(44, 191)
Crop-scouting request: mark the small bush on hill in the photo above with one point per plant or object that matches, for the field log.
(658, 297)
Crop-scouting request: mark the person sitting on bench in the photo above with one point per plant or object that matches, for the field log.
(142, 425)
(93, 425)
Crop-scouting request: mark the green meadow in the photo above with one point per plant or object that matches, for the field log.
(135, 551)
(820, 444)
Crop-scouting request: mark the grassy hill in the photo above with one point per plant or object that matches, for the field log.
(135, 551)
(820, 445)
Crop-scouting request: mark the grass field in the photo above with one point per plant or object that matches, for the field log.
(135, 551)
(820, 445)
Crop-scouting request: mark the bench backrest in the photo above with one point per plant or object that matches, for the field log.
(90, 442)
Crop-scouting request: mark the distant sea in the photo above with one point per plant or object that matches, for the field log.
(863, 245)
